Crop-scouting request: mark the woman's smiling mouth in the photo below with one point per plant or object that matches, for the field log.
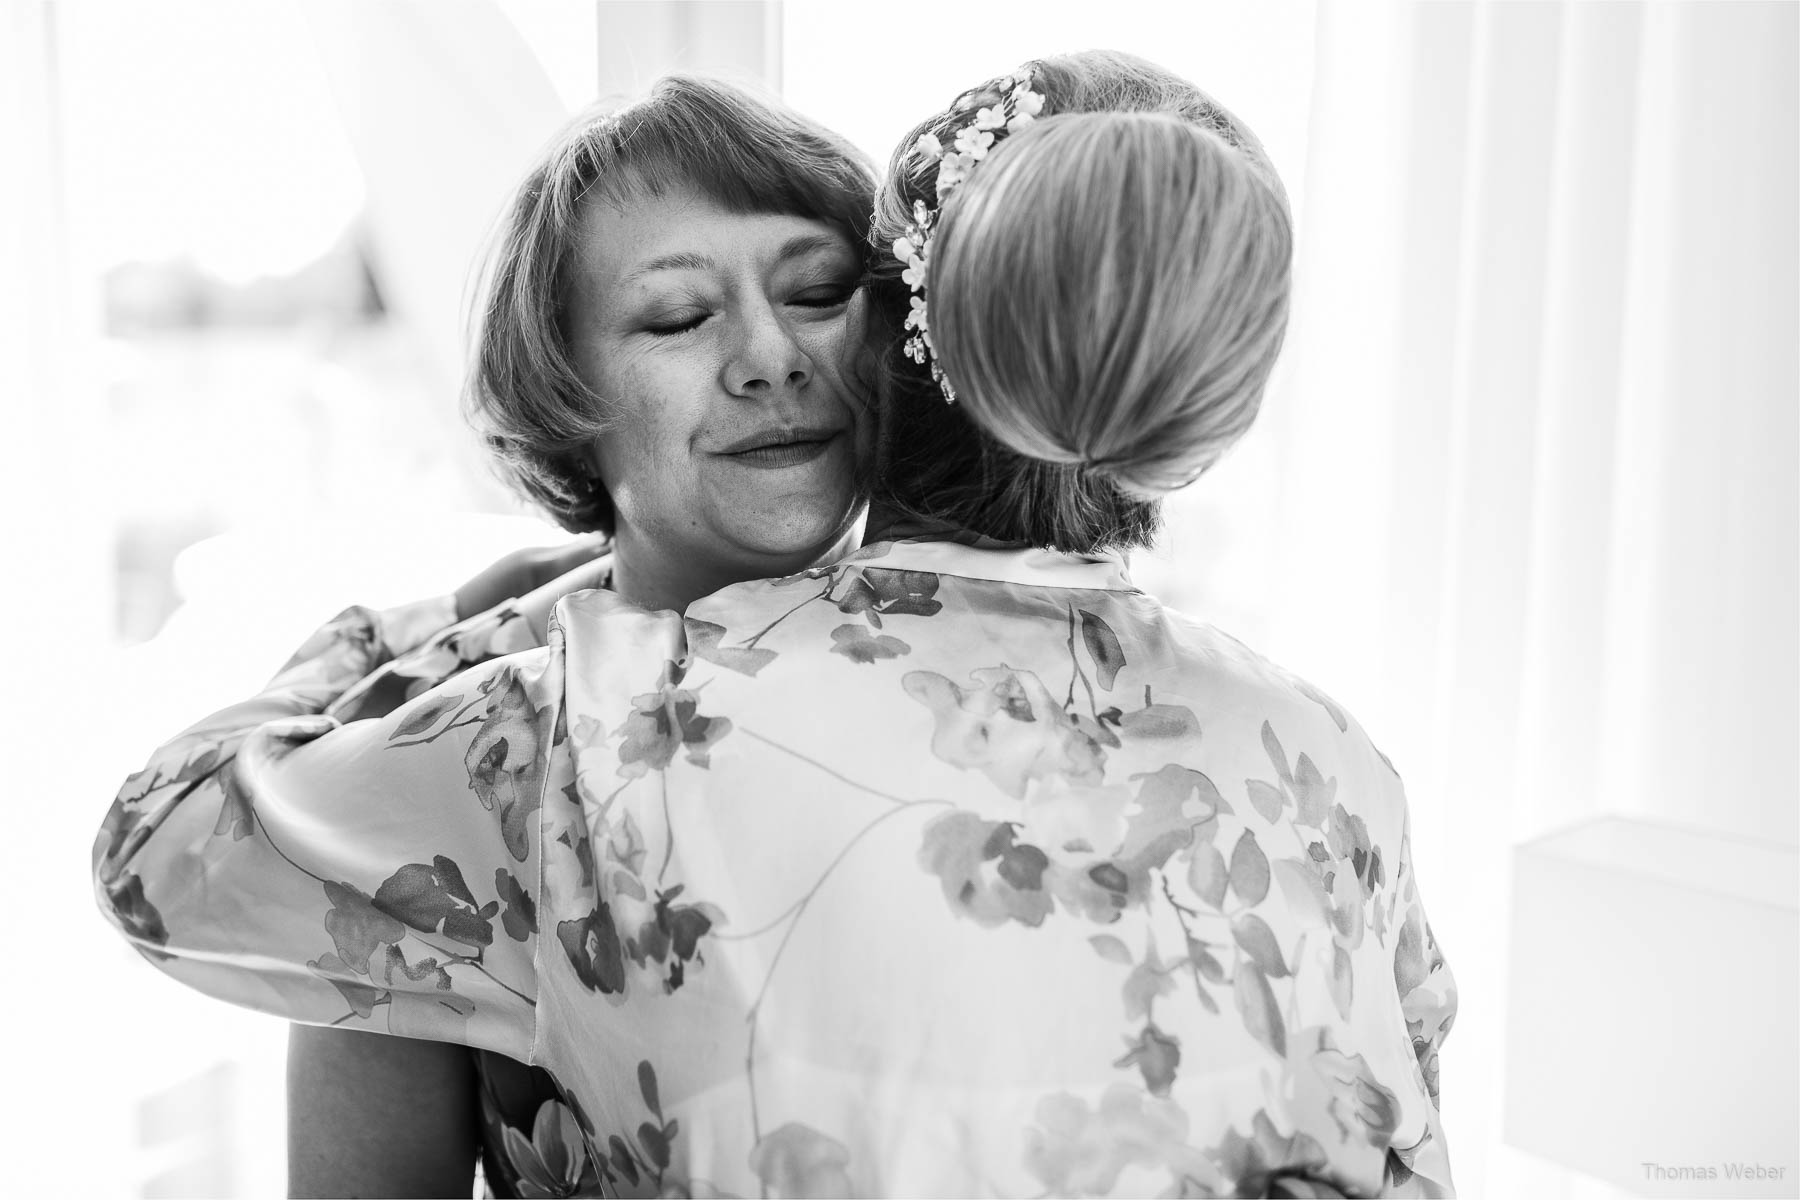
(781, 448)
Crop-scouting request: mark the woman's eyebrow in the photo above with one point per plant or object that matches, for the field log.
(808, 243)
(680, 261)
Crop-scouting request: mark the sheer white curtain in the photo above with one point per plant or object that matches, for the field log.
(1539, 523)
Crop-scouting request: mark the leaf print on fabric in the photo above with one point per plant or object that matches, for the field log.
(427, 715)
(1278, 756)
(344, 643)
(554, 1161)
(798, 1161)
(1254, 936)
(1335, 1097)
(665, 721)
(621, 1159)
(1411, 967)
(1103, 647)
(1007, 726)
(1266, 799)
(1156, 1055)
(1343, 981)
(1249, 869)
(1316, 696)
(985, 874)
(235, 815)
(877, 591)
(1255, 1165)
(670, 938)
(1256, 1005)
(1111, 949)
(703, 638)
(1075, 1150)
(581, 849)
(647, 1088)
(135, 914)
(1208, 877)
(1167, 722)
(1427, 1000)
(425, 969)
(520, 918)
(592, 945)
(1313, 794)
(507, 757)
(361, 997)
(1176, 806)
(1148, 981)
(655, 1144)
(1347, 909)
(1349, 839)
(433, 898)
(858, 645)
(357, 927)
(181, 761)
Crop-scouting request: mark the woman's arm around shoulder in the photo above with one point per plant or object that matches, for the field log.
(379, 875)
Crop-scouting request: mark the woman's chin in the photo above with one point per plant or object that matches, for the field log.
(796, 536)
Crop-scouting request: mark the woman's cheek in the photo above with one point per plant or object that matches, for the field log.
(840, 349)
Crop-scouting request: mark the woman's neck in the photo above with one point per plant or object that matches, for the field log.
(647, 575)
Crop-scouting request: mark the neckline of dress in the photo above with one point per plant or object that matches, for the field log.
(1027, 566)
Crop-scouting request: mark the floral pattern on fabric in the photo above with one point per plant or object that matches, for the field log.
(1141, 903)
(359, 666)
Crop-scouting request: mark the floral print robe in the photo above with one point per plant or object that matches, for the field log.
(945, 870)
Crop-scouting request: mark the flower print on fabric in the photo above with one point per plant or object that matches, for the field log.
(876, 594)
(417, 899)
(1000, 784)
(553, 1160)
(666, 721)
(1008, 726)
(1077, 1149)
(797, 1160)
(991, 873)
(499, 631)
(639, 922)
(507, 755)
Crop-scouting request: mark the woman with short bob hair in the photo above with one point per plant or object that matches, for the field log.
(569, 362)
(863, 875)
(745, 154)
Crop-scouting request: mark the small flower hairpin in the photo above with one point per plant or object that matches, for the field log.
(1018, 107)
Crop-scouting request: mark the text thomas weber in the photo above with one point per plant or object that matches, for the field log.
(1744, 1171)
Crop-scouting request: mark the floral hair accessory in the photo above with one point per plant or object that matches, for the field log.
(1017, 108)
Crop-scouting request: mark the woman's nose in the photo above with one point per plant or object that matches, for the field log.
(768, 359)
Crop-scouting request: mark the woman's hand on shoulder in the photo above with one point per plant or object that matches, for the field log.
(525, 571)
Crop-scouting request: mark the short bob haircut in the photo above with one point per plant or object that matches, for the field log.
(744, 152)
(1108, 292)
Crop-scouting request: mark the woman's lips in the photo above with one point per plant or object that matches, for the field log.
(783, 454)
(780, 448)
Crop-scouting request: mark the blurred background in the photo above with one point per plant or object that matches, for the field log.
(1523, 495)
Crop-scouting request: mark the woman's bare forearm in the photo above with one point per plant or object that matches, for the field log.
(372, 1115)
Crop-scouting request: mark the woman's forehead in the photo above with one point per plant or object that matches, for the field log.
(636, 237)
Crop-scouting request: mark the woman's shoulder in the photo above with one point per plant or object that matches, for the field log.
(1267, 718)
(1255, 671)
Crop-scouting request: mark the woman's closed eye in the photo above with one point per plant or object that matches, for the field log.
(825, 296)
(669, 324)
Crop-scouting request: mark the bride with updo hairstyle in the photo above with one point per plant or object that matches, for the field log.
(1095, 374)
(956, 866)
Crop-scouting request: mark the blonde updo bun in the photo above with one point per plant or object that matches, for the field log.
(1110, 291)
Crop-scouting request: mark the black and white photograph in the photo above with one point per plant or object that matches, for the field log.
(960, 598)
